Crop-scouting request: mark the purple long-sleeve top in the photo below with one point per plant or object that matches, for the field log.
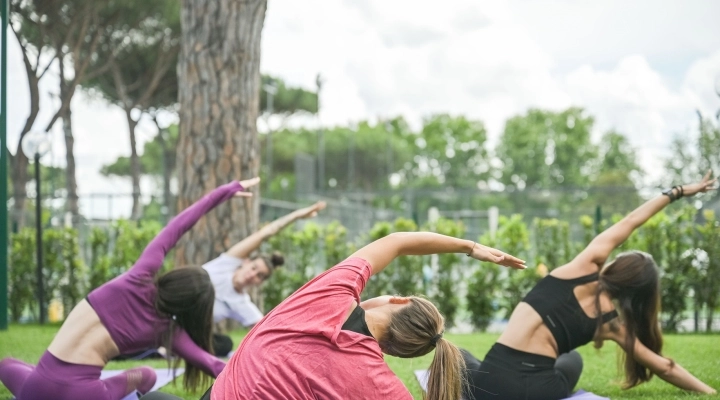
(126, 304)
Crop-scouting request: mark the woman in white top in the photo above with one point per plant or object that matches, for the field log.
(235, 271)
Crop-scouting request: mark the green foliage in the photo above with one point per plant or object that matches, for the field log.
(513, 237)
(552, 243)
(449, 274)
(487, 291)
(131, 238)
(287, 100)
(21, 272)
(545, 149)
(154, 156)
(65, 273)
(300, 247)
(337, 247)
(676, 264)
(100, 259)
(450, 152)
(405, 272)
(707, 283)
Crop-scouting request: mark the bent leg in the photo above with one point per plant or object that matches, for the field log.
(570, 365)
(141, 379)
(13, 374)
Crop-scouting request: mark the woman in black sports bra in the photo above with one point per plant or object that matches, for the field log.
(585, 300)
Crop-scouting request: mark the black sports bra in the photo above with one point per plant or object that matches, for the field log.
(553, 298)
(356, 322)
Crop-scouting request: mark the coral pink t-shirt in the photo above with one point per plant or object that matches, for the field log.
(299, 351)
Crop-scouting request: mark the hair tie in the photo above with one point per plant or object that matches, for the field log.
(435, 339)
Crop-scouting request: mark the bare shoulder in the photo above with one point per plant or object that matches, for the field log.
(576, 268)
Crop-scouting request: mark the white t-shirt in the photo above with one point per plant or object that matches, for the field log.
(228, 302)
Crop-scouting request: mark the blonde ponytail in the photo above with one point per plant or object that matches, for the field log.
(446, 375)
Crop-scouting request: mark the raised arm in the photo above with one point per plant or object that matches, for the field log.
(246, 246)
(381, 252)
(600, 248)
(152, 257)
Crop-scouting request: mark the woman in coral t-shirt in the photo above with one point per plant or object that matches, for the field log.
(318, 344)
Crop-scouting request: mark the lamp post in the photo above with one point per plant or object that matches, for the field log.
(35, 145)
(3, 168)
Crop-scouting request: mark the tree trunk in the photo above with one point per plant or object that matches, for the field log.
(134, 168)
(71, 205)
(219, 87)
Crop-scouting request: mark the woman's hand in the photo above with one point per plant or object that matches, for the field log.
(700, 187)
(312, 211)
(485, 253)
(246, 184)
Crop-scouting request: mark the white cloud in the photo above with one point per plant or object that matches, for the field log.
(641, 68)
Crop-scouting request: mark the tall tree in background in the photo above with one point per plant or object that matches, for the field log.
(219, 87)
(614, 181)
(142, 75)
(450, 153)
(30, 28)
(547, 150)
(72, 32)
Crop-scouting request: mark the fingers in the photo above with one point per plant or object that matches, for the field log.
(320, 205)
(243, 194)
(250, 182)
(707, 175)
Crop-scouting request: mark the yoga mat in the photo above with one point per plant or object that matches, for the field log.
(164, 376)
(421, 375)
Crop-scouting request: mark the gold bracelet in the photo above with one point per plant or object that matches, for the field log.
(471, 250)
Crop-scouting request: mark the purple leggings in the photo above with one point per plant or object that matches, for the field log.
(57, 379)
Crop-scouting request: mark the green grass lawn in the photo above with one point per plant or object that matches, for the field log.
(699, 354)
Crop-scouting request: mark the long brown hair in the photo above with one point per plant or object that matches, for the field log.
(416, 330)
(633, 282)
(186, 295)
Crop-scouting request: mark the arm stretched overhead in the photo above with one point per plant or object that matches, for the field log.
(381, 252)
(152, 257)
(600, 248)
(245, 247)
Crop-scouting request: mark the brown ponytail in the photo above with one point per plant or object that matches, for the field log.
(416, 330)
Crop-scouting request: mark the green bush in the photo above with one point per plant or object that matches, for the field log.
(21, 271)
(447, 281)
(707, 283)
(300, 248)
(131, 238)
(100, 259)
(553, 247)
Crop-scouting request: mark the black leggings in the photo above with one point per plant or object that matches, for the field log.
(507, 373)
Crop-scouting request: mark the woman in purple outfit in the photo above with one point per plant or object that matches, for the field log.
(135, 311)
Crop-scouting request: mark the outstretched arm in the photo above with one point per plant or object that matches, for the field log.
(246, 246)
(152, 257)
(381, 252)
(600, 248)
(665, 369)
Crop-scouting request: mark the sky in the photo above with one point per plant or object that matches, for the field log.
(641, 68)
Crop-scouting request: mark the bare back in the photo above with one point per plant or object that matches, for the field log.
(83, 339)
(526, 330)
